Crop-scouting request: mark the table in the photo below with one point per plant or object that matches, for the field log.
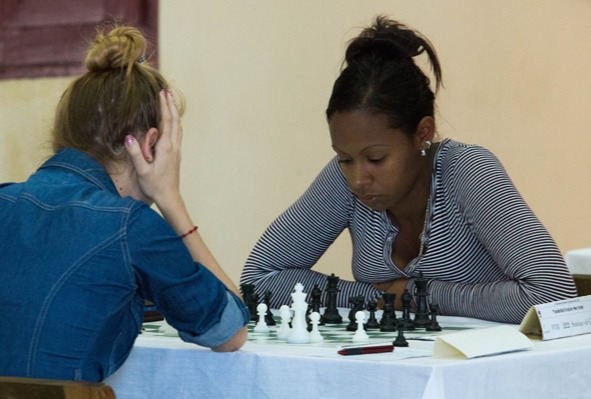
(165, 367)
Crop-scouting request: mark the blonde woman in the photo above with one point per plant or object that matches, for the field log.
(81, 247)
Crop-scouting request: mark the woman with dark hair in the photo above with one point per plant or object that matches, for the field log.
(411, 204)
(82, 249)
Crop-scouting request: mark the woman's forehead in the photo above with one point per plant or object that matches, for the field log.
(361, 127)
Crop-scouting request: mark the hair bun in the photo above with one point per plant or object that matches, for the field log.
(120, 48)
(388, 39)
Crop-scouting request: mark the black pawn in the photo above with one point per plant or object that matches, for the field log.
(434, 325)
(400, 341)
(372, 322)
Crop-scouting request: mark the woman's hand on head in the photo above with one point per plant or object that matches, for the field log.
(157, 165)
(156, 159)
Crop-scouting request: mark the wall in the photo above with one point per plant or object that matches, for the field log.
(257, 75)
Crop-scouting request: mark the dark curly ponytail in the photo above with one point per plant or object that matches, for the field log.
(381, 75)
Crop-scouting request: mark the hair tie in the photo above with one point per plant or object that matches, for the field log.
(141, 59)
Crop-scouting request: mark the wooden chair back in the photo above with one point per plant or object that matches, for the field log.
(583, 283)
(33, 388)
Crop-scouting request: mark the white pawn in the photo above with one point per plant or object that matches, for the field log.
(360, 334)
(262, 324)
(284, 329)
(315, 334)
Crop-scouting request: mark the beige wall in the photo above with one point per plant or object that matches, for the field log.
(257, 76)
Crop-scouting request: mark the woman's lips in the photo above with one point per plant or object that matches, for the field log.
(369, 200)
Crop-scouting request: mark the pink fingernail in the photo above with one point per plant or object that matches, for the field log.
(128, 140)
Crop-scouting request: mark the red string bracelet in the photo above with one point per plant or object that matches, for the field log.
(194, 229)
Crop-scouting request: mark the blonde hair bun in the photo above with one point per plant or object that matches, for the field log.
(120, 48)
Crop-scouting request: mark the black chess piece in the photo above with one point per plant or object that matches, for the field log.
(372, 322)
(434, 325)
(331, 313)
(314, 306)
(389, 313)
(247, 294)
(389, 298)
(315, 300)
(388, 321)
(247, 291)
(421, 319)
(406, 321)
(308, 321)
(254, 302)
(269, 315)
(357, 302)
(400, 341)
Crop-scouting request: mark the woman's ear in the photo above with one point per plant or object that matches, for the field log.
(148, 143)
(425, 131)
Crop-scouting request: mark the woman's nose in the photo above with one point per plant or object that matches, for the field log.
(360, 176)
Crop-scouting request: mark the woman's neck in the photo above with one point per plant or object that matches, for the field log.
(412, 210)
(124, 177)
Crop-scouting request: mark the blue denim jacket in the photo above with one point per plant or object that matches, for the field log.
(77, 263)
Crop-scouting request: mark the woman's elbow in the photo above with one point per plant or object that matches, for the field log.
(234, 343)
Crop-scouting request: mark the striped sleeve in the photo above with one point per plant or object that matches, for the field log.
(519, 244)
(293, 243)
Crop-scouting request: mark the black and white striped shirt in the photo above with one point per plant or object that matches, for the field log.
(488, 255)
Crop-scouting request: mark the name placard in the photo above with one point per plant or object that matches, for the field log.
(558, 319)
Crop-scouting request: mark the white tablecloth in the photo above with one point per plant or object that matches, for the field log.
(165, 367)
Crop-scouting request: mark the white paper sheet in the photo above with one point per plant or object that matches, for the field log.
(482, 342)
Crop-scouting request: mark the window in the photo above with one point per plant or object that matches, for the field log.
(47, 38)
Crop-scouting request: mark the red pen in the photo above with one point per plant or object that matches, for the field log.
(366, 350)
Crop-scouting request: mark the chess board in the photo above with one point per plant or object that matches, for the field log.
(336, 335)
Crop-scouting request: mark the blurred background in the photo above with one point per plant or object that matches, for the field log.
(257, 75)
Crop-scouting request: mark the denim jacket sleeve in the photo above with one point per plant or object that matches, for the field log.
(188, 295)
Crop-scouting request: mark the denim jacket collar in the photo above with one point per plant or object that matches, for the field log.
(83, 165)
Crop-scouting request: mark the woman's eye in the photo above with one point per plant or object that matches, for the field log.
(344, 161)
(376, 160)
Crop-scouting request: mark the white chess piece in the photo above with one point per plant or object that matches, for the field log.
(262, 324)
(315, 333)
(168, 330)
(284, 328)
(360, 334)
(299, 329)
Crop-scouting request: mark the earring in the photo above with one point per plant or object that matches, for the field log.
(424, 151)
